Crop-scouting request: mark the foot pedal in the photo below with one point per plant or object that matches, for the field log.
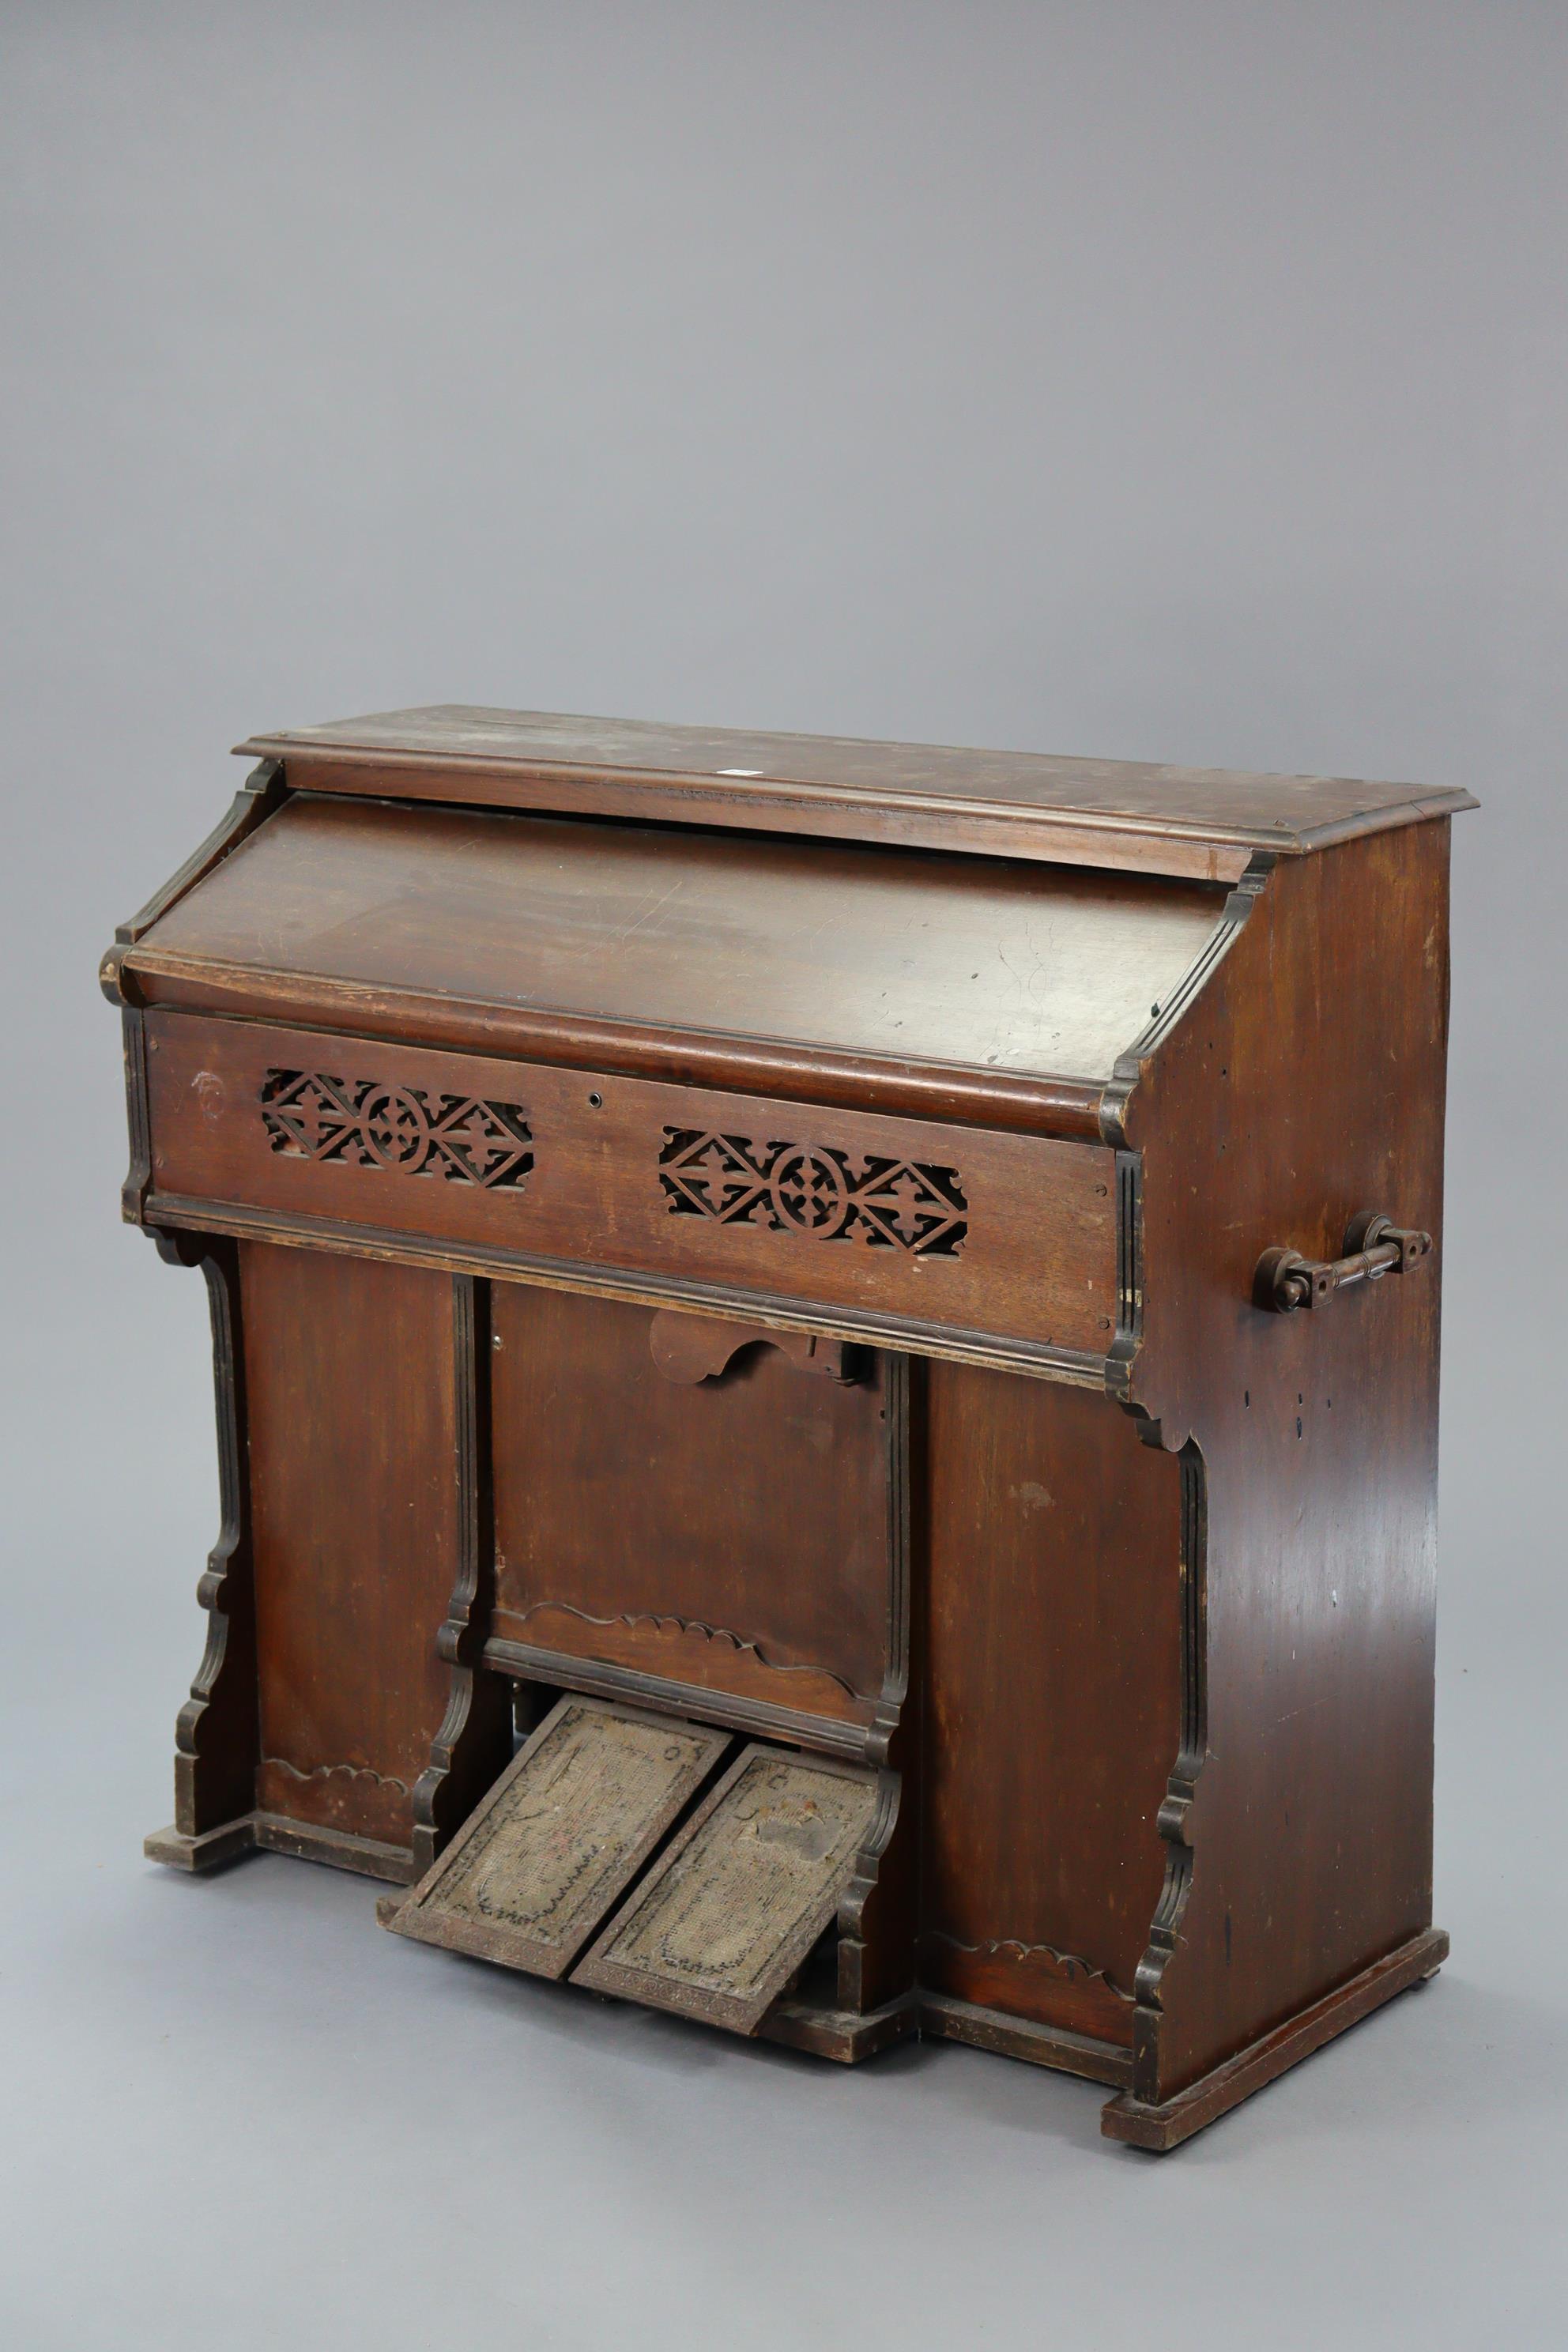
(540, 1862)
(734, 1903)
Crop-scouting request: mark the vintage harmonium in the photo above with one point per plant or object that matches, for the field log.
(826, 1362)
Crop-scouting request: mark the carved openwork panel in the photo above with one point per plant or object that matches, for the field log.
(362, 1123)
(811, 1188)
(674, 1194)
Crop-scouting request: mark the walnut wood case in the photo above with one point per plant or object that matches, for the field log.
(926, 1262)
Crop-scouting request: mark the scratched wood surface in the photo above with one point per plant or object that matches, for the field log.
(1272, 1118)
(349, 1370)
(1056, 1680)
(994, 967)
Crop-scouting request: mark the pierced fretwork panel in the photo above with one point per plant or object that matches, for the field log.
(360, 1123)
(811, 1188)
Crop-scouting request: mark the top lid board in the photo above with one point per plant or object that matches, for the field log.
(1205, 823)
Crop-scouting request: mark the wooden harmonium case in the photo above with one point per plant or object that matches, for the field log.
(697, 1227)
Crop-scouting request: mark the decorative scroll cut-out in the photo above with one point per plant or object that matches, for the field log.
(690, 1630)
(811, 1188)
(362, 1123)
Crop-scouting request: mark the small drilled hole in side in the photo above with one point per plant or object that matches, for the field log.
(596, 1102)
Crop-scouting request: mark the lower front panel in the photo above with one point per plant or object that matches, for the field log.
(741, 1533)
(350, 1381)
(1050, 1649)
(759, 1532)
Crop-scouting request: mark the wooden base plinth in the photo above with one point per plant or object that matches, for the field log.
(952, 2020)
(273, 1834)
(848, 2038)
(212, 1850)
(841, 2034)
(369, 1856)
(1163, 2126)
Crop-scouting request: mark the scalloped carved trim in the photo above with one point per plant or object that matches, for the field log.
(327, 1771)
(692, 1628)
(1067, 1964)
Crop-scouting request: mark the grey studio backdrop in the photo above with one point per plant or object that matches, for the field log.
(1175, 381)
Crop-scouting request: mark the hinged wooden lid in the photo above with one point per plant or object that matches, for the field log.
(1201, 821)
(998, 992)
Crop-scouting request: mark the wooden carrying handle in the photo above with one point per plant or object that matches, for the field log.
(1374, 1246)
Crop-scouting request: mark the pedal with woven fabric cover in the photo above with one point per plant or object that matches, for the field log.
(771, 1462)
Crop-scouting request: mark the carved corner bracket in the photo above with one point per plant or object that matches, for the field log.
(1174, 1819)
(217, 1733)
(472, 1743)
